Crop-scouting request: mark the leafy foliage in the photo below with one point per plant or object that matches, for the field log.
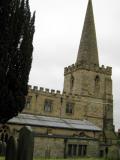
(16, 36)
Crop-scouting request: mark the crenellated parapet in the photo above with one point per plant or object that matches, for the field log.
(52, 92)
(94, 68)
(43, 90)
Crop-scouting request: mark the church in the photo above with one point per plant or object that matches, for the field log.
(79, 121)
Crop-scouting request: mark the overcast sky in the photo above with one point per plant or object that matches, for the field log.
(59, 25)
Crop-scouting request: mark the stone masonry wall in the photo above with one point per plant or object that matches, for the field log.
(84, 107)
(49, 147)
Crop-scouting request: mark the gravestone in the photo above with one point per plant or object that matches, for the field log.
(25, 144)
(0, 148)
(11, 149)
(113, 153)
(3, 149)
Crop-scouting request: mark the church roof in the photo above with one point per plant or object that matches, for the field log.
(88, 52)
(45, 121)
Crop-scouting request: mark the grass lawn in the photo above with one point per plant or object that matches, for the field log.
(2, 158)
(72, 159)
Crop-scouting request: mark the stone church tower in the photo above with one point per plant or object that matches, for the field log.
(79, 121)
(89, 80)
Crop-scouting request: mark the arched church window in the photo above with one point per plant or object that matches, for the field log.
(4, 133)
(69, 108)
(2, 137)
(71, 81)
(48, 105)
(97, 79)
(97, 84)
(28, 102)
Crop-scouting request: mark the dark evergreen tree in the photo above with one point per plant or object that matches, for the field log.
(16, 37)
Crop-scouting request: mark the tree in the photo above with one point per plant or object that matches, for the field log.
(16, 37)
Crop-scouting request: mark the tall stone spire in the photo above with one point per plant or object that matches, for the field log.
(88, 52)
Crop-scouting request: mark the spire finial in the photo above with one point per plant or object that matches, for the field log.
(88, 52)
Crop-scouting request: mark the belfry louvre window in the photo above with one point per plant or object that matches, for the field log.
(69, 108)
(48, 105)
(97, 84)
(71, 82)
